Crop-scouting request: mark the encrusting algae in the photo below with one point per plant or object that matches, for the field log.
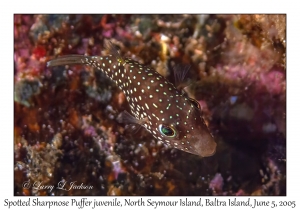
(157, 105)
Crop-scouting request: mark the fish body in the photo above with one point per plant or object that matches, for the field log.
(157, 105)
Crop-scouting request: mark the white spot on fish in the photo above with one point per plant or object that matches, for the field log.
(146, 105)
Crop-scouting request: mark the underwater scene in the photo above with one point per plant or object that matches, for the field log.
(164, 105)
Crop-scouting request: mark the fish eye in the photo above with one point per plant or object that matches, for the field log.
(167, 130)
(195, 103)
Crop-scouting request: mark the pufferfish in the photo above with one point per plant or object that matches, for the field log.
(156, 104)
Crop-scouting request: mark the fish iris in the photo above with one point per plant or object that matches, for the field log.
(167, 131)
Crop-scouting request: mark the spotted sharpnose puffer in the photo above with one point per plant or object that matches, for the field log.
(165, 111)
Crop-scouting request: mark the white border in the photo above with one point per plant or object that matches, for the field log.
(255, 6)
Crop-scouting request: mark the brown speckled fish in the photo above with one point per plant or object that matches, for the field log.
(166, 112)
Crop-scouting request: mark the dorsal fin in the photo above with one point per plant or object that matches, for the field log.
(113, 50)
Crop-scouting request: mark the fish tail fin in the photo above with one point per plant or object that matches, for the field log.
(67, 60)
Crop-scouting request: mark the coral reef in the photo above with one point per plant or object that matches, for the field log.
(65, 127)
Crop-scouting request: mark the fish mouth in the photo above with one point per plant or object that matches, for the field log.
(210, 150)
(205, 145)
